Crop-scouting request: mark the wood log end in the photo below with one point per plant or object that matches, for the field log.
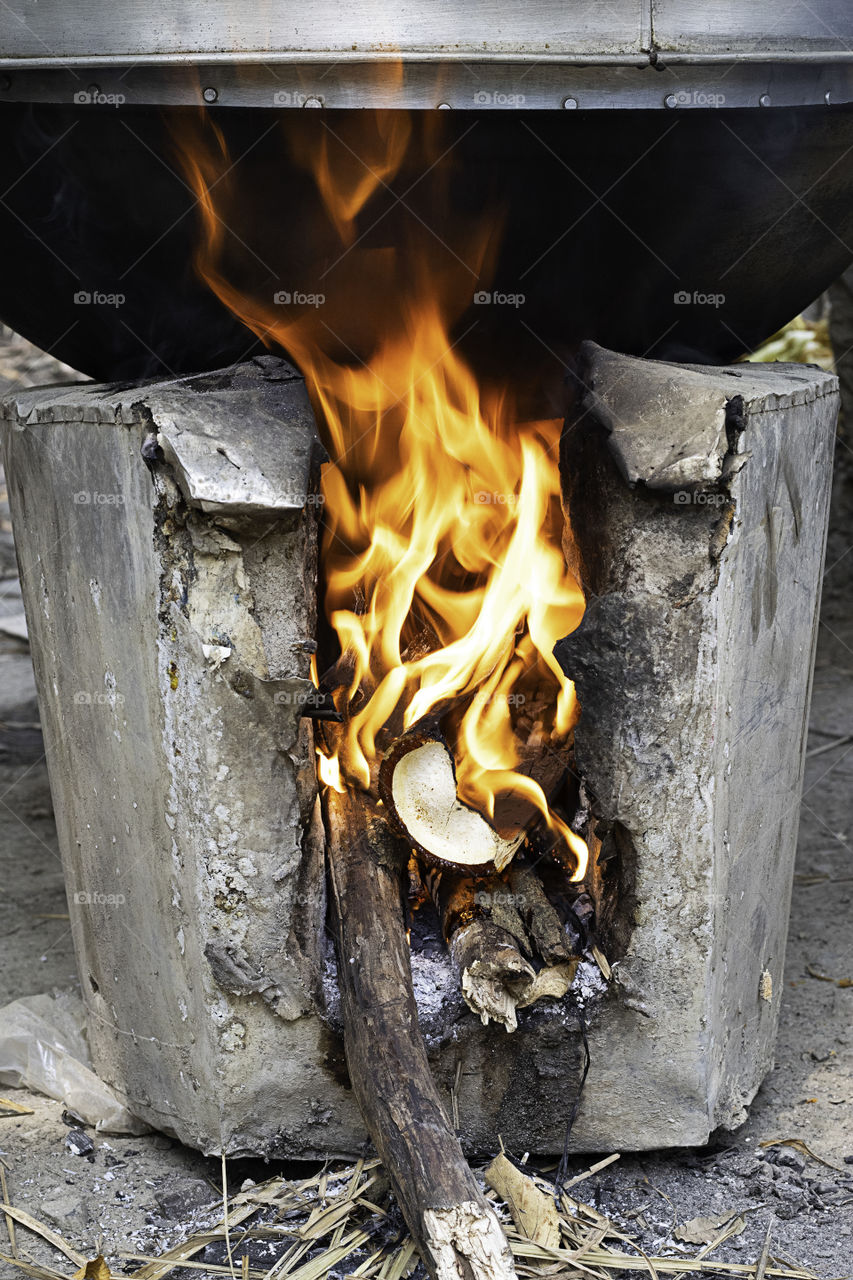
(495, 975)
(417, 784)
(467, 1243)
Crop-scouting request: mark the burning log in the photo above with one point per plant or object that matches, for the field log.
(455, 1228)
(417, 783)
(490, 940)
(541, 920)
(495, 976)
(490, 926)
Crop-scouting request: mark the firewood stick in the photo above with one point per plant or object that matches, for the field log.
(540, 917)
(495, 976)
(453, 1225)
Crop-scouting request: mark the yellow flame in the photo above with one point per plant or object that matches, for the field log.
(329, 771)
(445, 578)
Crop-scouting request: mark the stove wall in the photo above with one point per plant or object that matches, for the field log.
(700, 500)
(183, 776)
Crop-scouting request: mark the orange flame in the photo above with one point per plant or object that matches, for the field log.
(445, 579)
(329, 771)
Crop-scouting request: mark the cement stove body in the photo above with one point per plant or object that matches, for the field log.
(167, 541)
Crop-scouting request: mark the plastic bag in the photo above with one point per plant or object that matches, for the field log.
(43, 1046)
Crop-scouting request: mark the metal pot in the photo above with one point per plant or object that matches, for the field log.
(672, 179)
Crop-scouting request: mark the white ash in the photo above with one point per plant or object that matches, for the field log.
(331, 990)
(589, 984)
(435, 980)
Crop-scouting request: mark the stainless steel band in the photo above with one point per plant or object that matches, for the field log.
(676, 82)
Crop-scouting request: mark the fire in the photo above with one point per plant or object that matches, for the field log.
(329, 771)
(445, 578)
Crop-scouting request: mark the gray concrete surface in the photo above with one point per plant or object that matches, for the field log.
(692, 664)
(171, 607)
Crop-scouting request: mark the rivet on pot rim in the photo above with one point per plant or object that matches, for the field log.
(827, 97)
(670, 100)
(210, 94)
(570, 104)
(444, 106)
(312, 101)
(764, 100)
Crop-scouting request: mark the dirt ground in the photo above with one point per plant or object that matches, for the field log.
(139, 1195)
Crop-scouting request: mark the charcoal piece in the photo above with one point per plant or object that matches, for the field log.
(79, 1143)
